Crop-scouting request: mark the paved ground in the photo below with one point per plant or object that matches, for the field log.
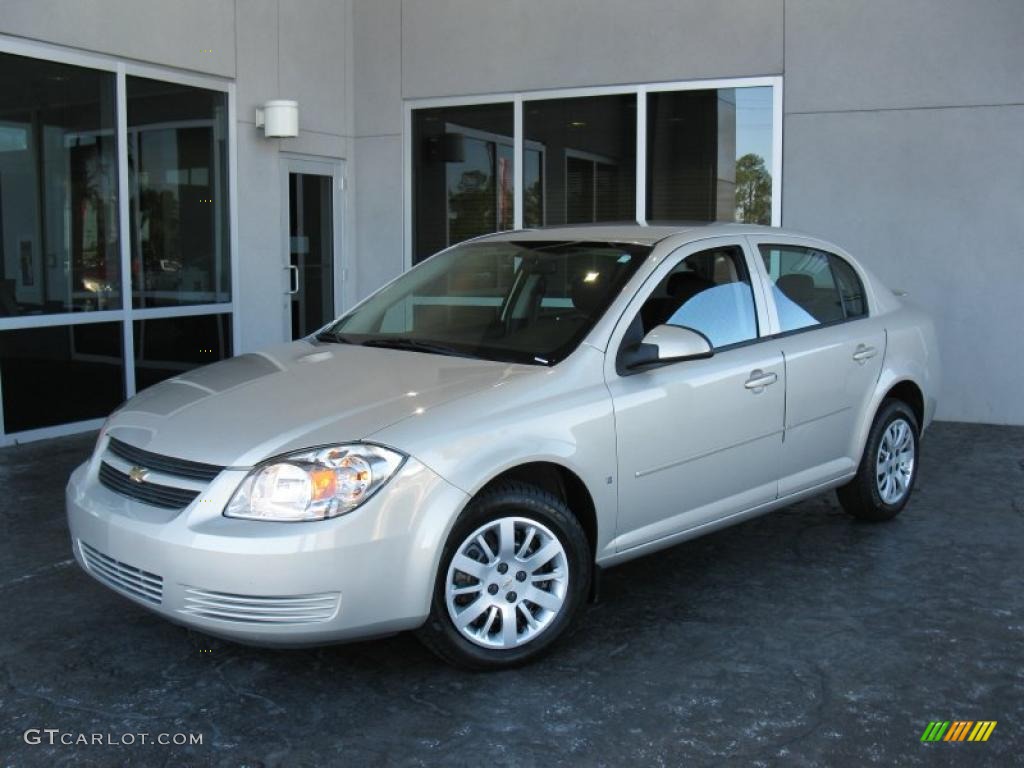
(802, 638)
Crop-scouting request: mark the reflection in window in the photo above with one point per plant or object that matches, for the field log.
(58, 189)
(170, 346)
(311, 237)
(708, 158)
(523, 301)
(709, 292)
(462, 174)
(60, 374)
(851, 289)
(803, 287)
(709, 155)
(587, 147)
(177, 162)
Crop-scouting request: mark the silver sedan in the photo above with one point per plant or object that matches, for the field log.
(462, 452)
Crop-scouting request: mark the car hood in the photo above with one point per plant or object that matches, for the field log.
(241, 411)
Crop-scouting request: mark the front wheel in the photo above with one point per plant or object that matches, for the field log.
(514, 574)
(888, 469)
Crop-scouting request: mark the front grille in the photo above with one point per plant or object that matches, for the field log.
(166, 464)
(150, 493)
(127, 578)
(252, 609)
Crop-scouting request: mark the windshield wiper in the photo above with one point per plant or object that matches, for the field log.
(415, 345)
(334, 338)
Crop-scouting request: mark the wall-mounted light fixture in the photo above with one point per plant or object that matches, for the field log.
(278, 119)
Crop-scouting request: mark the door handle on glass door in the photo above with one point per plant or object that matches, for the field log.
(864, 353)
(293, 279)
(759, 380)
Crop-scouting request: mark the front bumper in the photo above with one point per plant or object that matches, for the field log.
(370, 572)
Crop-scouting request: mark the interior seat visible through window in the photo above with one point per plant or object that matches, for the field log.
(709, 292)
(804, 287)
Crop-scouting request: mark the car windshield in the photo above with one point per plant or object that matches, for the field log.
(517, 301)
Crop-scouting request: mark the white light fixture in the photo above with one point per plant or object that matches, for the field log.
(279, 119)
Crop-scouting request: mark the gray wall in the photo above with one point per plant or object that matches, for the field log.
(291, 50)
(903, 141)
(902, 129)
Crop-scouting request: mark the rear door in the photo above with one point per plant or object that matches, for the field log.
(833, 350)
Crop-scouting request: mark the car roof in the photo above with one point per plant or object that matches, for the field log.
(640, 234)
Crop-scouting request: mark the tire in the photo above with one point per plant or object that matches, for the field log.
(494, 595)
(885, 479)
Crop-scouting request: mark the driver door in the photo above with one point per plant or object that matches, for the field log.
(696, 440)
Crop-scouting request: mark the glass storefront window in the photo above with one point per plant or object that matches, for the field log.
(588, 150)
(169, 346)
(462, 174)
(709, 155)
(177, 165)
(58, 189)
(64, 322)
(60, 374)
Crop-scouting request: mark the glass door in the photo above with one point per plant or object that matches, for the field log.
(311, 246)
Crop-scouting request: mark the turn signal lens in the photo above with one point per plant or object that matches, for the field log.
(324, 482)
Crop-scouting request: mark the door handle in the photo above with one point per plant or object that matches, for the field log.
(759, 380)
(863, 353)
(293, 279)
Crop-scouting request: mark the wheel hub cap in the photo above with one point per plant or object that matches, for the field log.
(507, 582)
(894, 466)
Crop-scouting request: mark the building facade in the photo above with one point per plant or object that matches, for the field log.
(150, 225)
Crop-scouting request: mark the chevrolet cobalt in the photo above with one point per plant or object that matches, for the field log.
(462, 451)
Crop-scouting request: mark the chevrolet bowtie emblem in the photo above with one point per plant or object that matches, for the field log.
(138, 474)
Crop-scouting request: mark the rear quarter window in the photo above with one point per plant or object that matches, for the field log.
(851, 289)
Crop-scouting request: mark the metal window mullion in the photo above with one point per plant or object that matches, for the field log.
(233, 253)
(641, 155)
(777, 120)
(124, 233)
(181, 310)
(517, 162)
(407, 182)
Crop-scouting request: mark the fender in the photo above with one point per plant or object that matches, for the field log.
(910, 356)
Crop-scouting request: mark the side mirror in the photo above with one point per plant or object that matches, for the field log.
(669, 344)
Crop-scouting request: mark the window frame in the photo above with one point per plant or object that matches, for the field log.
(127, 314)
(641, 90)
(667, 264)
(832, 259)
(756, 243)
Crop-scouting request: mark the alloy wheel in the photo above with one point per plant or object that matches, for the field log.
(507, 582)
(894, 466)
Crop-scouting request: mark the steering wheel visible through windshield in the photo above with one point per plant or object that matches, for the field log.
(518, 301)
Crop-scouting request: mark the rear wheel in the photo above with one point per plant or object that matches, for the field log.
(888, 468)
(513, 575)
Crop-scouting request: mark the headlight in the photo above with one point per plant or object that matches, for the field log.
(314, 485)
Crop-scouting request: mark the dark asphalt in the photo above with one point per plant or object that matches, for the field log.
(800, 638)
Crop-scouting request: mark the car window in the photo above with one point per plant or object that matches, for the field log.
(803, 286)
(851, 289)
(708, 291)
(522, 301)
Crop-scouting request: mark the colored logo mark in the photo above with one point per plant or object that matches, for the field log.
(958, 730)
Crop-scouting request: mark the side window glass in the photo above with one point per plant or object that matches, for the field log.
(851, 289)
(710, 292)
(803, 286)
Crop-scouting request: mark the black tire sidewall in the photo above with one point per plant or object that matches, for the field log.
(517, 500)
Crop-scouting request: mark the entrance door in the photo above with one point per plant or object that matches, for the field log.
(313, 280)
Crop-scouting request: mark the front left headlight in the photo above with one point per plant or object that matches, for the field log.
(314, 485)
